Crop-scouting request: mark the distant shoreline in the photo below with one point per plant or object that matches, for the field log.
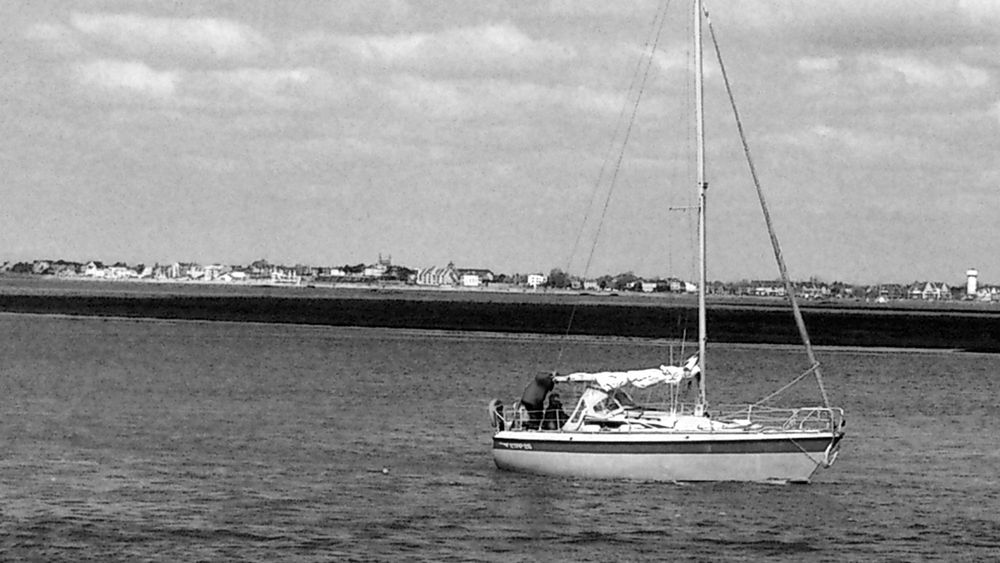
(964, 326)
(82, 286)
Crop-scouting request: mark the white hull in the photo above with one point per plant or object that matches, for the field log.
(667, 456)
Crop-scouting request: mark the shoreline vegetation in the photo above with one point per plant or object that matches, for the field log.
(973, 327)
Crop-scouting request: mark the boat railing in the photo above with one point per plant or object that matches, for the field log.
(754, 418)
(778, 419)
(514, 417)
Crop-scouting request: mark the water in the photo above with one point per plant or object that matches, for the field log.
(127, 440)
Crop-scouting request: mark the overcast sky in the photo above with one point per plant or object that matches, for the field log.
(327, 132)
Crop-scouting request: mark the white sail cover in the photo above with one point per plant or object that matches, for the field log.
(641, 378)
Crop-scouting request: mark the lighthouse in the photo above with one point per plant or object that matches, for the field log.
(971, 282)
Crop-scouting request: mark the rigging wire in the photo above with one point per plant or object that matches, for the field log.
(775, 246)
(657, 25)
(638, 85)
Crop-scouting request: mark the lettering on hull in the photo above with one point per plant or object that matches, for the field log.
(514, 445)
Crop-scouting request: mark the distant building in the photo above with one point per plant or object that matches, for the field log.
(285, 276)
(233, 277)
(330, 273)
(475, 277)
(889, 292)
(214, 271)
(930, 291)
(814, 291)
(181, 270)
(535, 280)
(769, 289)
(447, 276)
(94, 269)
(378, 269)
(972, 281)
(260, 269)
(990, 293)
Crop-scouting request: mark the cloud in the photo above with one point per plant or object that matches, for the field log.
(239, 88)
(500, 98)
(923, 73)
(601, 8)
(475, 49)
(203, 38)
(264, 81)
(127, 77)
(860, 142)
(897, 83)
(428, 97)
(983, 12)
(818, 64)
(848, 25)
(274, 87)
(666, 60)
(366, 13)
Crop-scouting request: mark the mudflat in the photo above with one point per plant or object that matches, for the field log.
(907, 324)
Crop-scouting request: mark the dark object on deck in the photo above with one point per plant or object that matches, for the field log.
(555, 416)
(533, 399)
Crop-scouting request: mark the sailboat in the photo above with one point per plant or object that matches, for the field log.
(608, 435)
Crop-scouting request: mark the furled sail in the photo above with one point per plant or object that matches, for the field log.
(641, 378)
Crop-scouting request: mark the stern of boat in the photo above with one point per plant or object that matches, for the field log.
(495, 412)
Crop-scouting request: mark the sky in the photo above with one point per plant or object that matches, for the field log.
(486, 133)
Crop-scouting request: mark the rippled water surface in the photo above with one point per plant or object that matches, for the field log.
(168, 441)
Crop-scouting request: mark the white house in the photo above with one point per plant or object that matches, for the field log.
(234, 276)
(94, 270)
(378, 269)
(535, 280)
(375, 270)
(988, 293)
(188, 270)
(769, 290)
(213, 271)
(930, 291)
(285, 276)
(475, 277)
(329, 271)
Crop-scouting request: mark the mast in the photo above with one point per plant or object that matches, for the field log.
(702, 188)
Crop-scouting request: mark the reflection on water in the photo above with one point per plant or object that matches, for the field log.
(128, 440)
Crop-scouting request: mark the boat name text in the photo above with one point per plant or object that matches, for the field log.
(515, 446)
